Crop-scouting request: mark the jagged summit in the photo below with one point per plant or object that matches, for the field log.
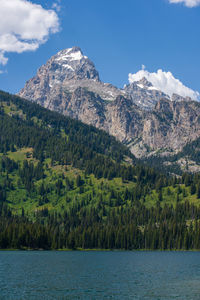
(144, 94)
(74, 53)
(144, 83)
(74, 65)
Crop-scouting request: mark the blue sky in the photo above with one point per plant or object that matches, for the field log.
(118, 36)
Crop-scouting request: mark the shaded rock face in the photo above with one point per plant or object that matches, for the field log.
(172, 124)
(85, 106)
(140, 116)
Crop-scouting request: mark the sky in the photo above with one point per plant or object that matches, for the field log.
(125, 39)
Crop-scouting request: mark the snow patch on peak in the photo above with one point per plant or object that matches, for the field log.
(152, 88)
(77, 56)
(140, 85)
(68, 67)
(70, 54)
(165, 82)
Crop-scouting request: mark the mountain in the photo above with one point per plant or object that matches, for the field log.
(63, 74)
(67, 185)
(69, 69)
(142, 117)
(144, 94)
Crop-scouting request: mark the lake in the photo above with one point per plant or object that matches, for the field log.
(99, 275)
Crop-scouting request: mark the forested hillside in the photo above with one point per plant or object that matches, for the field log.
(64, 184)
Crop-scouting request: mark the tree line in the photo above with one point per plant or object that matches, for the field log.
(135, 228)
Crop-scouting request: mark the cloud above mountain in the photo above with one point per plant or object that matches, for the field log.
(57, 5)
(166, 82)
(188, 3)
(24, 26)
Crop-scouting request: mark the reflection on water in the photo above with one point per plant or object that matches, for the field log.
(99, 275)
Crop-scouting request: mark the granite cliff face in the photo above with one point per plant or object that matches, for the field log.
(167, 128)
(140, 116)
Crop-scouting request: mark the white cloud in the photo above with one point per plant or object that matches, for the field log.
(3, 59)
(24, 26)
(166, 82)
(57, 5)
(188, 3)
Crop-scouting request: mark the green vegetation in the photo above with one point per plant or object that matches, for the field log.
(64, 184)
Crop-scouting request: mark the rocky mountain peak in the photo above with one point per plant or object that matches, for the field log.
(63, 73)
(72, 64)
(144, 94)
(145, 83)
(74, 53)
(68, 57)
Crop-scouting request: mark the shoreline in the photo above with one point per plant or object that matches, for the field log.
(102, 250)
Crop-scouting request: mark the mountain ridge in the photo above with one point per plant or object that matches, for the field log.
(74, 66)
(145, 119)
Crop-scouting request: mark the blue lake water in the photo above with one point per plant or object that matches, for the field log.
(99, 275)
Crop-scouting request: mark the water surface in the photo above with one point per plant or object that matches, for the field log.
(99, 275)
